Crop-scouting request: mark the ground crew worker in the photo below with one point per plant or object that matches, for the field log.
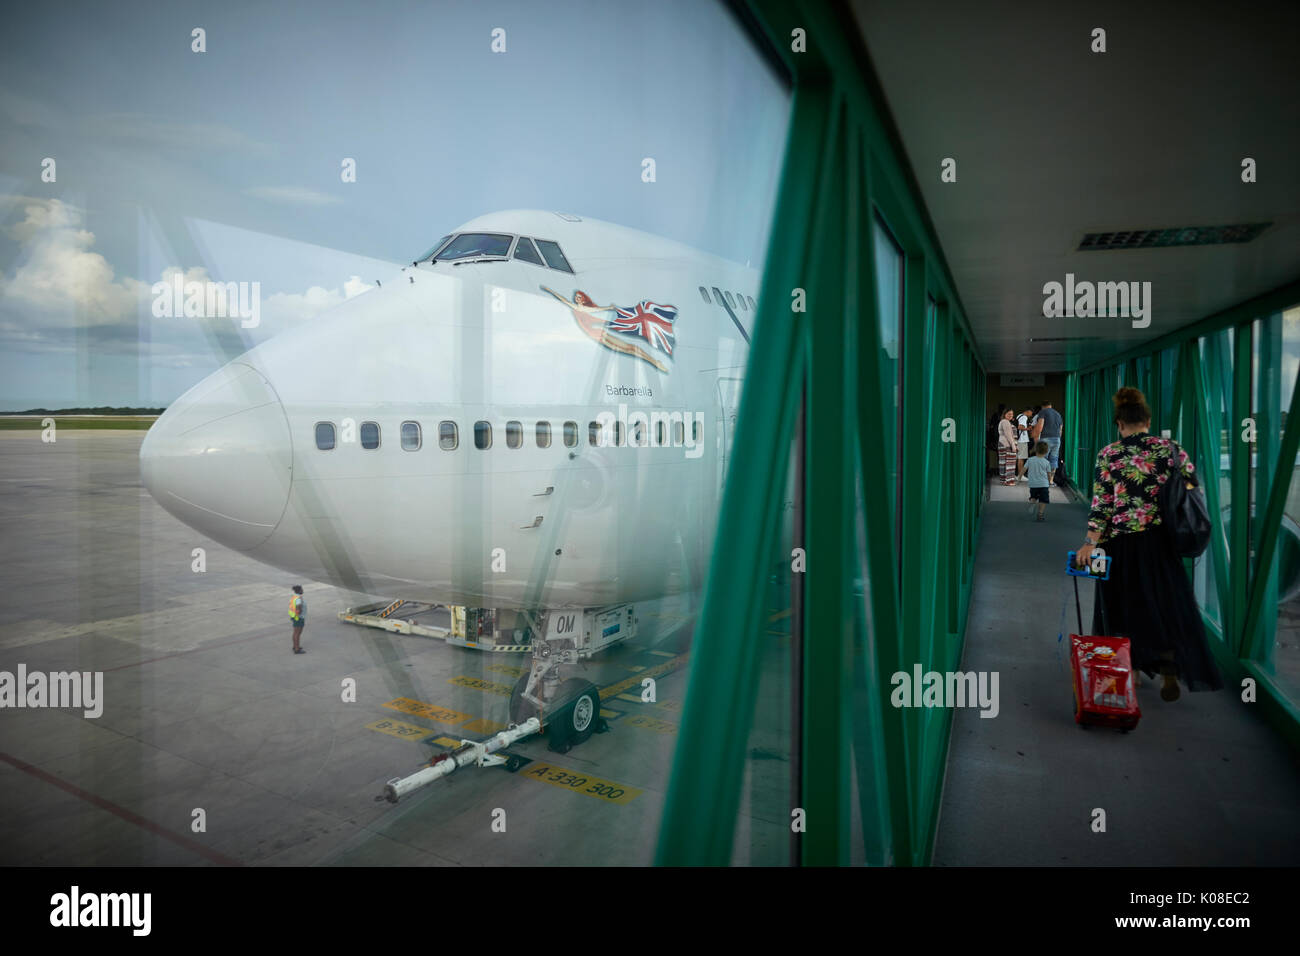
(297, 617)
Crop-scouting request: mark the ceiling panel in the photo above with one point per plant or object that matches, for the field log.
(1053, 141)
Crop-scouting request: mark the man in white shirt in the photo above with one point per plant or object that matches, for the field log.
(1022, 444)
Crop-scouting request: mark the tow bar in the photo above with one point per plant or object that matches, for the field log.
(479, 754)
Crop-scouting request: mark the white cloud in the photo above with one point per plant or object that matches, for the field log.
(292, 194)
(59, 276)
(61, 286)
(292, 307)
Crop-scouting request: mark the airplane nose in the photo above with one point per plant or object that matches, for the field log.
(220, 458)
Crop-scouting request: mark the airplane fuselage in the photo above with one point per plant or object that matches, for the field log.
(490, 432)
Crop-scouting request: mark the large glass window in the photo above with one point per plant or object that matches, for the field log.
(1279, 647)
(889, 292)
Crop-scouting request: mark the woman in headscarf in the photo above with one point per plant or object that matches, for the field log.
(1148, 598)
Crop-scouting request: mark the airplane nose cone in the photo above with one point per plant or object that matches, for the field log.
(220, 458)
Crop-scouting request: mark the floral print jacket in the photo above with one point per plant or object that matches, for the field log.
(1126, 484)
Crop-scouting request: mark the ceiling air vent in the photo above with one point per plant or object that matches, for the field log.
(1178, 236)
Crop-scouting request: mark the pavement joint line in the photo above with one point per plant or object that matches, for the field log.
(164, 657)
(121, 812)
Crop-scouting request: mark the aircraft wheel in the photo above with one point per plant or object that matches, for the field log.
(520, 709)
(577, 716)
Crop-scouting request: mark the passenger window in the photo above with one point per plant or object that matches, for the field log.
(448, 436)
(525, 250)
(410, 436)
(482, 435)
(695, 431)
(638, 434)
(324, 435)
(514, 435)
(593, 434)
(730, 301)
(752, 306)
(618, 434)
(369, 435)
(704, 294)
(741, 299)
(543, 435)
(661, 433)
(570, 434)
(717, 296)
(679, 433)
(554, 257)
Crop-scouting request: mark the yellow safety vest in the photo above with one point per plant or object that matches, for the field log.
(293, 607)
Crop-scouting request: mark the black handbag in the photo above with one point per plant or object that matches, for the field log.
(1183, 513)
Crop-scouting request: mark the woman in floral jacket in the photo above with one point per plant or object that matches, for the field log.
(1148, 598)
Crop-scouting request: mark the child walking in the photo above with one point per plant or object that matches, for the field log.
(1039, 471)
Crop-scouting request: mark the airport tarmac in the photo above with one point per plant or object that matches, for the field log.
(209, 717)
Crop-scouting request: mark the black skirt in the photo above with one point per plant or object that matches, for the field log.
(1149, 600)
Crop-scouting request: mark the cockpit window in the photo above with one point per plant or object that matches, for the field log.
(525, 250)
(473, 244)
(436, 246)
(554, 257)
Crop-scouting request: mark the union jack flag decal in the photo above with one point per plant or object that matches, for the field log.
(644, 330)
(650, 321)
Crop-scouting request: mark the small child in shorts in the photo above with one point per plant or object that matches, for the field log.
(1039, 471)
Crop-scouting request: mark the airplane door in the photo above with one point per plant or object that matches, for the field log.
(728, 399)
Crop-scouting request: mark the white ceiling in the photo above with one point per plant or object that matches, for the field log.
(1053, 141)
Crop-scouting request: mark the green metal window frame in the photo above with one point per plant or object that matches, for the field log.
(843, 166)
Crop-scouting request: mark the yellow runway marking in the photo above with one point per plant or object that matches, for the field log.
(507, 669)
(652, 723)
(780, 615)
(635, 667)
(477, 683)
(483, 726)
(614, 689)
(396, 728)
(446, 742)
(630, 698)
(610, 714)
(663, 653)
(581, 783)
(418, 708)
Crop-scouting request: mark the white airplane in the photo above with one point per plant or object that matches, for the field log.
(535, 415)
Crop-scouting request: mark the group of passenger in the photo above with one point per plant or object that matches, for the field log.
(1029, 450)
(1018, 431)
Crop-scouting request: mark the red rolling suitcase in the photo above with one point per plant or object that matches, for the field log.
(1105, 688)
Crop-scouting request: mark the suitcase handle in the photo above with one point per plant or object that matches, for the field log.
(1097, 597)
(1086, 570)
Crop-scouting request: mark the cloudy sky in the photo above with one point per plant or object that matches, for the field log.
(226, 164)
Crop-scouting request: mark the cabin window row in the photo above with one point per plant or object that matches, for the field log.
(725, 299)
(449, 434)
